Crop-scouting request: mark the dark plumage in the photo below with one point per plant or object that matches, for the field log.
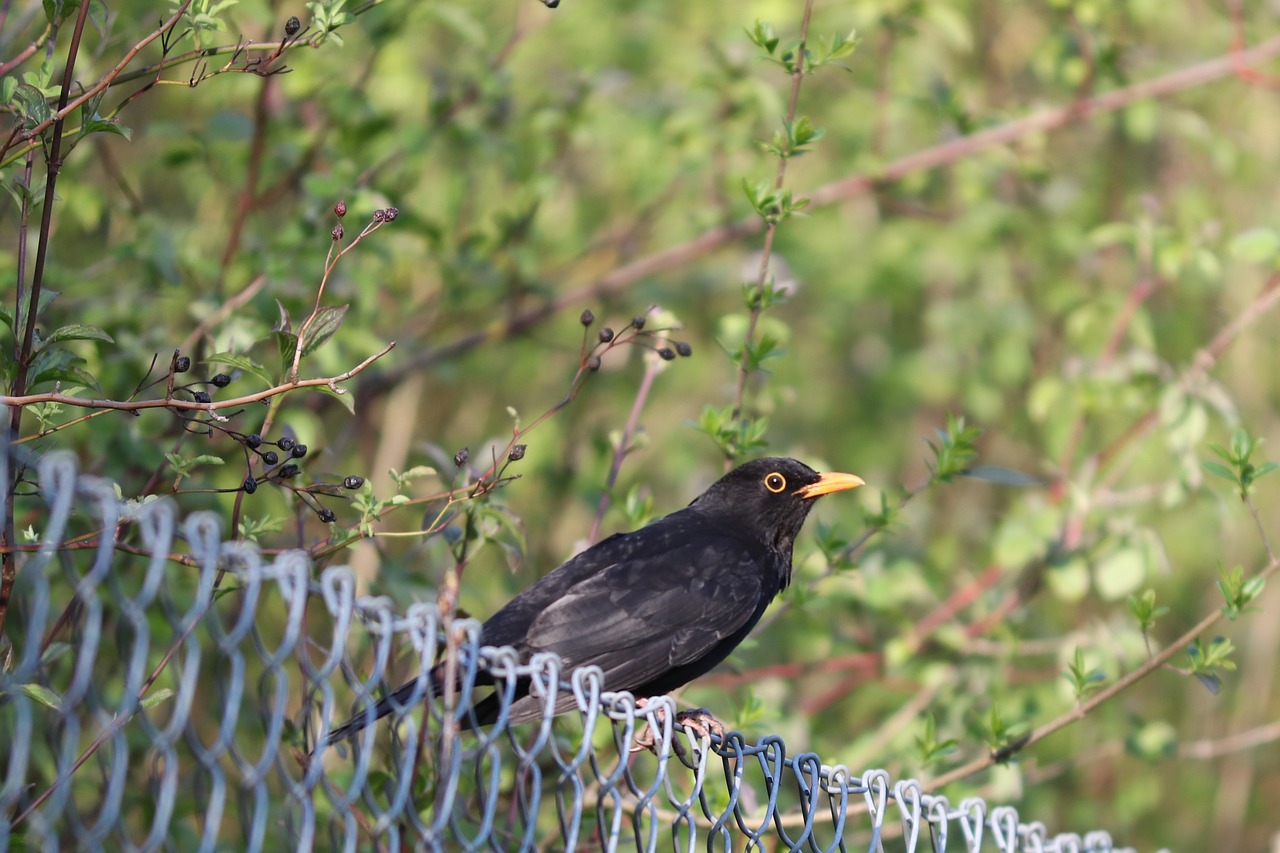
(660, 606)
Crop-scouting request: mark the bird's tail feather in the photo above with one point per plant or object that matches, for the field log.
(398, 698)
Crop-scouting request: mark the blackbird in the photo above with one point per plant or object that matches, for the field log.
(660, 606)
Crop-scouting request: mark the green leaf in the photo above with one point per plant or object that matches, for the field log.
(53, 652)
(32, 105)
(47, 298)
(507, 523)
(345, 396)
(763, 35)
(153, 699)
(43, 695)
(1265, 468)
(98, 124)
(78, 332)
(325, 322)
(59, 365)
(286, 345)
(1256, 246)
(1221, 470)
(57, 11)
(240, 362)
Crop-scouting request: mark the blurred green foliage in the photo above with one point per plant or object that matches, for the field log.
(1076, 318)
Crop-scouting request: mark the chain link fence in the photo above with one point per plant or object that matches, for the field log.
(169, 695)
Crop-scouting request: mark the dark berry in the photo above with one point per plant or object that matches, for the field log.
(684, 349)
(638, 322)
(337, 232)
(253, 440)
(271, 457)
(391, 214)
(586, 318)
(460, 458)
(285, 444)
(250, 485)
(298, 451)
(327, 516)
(202, 396)
(182, 364)
(667, 353)
(220, 380)
(340, 209)
(593, 363)
(379, 215)
(517, 453)
(292, 26)
(288, 470)
(606, 335)
(353, 482)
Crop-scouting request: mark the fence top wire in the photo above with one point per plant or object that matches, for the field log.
(148, 703)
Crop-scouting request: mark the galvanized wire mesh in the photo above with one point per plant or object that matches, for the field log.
(149, 702)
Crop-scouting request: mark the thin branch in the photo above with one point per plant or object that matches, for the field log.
(653, 366)
(171, 403)
(67, 108)
(1205, 750)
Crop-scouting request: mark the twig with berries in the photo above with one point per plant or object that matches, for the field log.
(304, 345)
(497, 472)
(590, 359)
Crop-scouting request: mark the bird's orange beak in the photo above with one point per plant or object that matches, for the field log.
(828, 483)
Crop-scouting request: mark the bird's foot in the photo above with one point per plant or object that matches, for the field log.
(701, 722)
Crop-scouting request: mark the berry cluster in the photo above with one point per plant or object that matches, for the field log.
(634, 333)
(278, 459)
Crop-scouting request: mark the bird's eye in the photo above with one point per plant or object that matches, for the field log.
(775, 482)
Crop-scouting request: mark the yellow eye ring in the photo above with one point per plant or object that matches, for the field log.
(775, 482)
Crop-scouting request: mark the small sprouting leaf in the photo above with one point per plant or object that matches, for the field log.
(1221, 470)
(1265, 468)
(763, 35)
(53, 652)
(153, 699)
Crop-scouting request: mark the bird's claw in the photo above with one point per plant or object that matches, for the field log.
(699, 721)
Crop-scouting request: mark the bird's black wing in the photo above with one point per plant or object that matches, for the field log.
(667, 602)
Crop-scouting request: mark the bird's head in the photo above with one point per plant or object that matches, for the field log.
(771, 498)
